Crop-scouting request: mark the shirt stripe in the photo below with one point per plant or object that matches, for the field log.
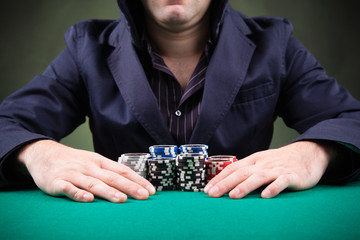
(172, 98)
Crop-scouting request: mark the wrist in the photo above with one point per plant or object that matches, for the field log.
(326, 148)
(28, 152)
(319, 150)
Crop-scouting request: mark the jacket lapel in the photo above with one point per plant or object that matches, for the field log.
(225, 75)
(136, 91)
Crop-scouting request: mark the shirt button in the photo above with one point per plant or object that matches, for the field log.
(178, 113)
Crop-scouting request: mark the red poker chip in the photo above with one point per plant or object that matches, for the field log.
(215, 164)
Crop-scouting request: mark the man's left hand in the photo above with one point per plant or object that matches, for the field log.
(297, 166)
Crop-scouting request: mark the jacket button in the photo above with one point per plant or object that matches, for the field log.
(178, 113)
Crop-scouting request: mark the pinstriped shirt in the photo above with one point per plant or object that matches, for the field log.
(179, 108)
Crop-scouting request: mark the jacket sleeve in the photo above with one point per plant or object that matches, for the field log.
(50, 107)
(320, 109)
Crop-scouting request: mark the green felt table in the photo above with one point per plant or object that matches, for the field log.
(324, 212)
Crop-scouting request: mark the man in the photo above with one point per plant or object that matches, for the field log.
(175, 72)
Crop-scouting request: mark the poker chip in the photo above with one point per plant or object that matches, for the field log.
(215, 164)
(194, 148)
(163, 151)
(136, 161)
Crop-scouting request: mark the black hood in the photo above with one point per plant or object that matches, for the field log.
(132, 12)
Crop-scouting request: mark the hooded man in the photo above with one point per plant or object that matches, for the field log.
(176, 72)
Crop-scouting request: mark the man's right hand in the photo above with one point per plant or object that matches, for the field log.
(61, 170)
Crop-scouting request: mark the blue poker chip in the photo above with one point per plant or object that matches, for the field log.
(163, 151)
(163, 148)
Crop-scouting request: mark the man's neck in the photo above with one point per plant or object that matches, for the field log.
(181, 50)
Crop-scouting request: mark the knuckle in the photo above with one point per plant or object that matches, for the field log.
(274, 186)
(111, 179)
(231, 167)
(286, 178)
(256, 158)
(242, 174)
(227, 185)
(296, 182)
(91, 185)
(238, 174)
(282, 182)
(67, 189)
(63, 187)
(245, 187)
(223, 187)
(98, 159)
(59, 187)
(261, 175)
(124, 171)
(132, 189)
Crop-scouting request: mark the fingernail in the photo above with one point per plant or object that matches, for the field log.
(151, 189)
(214, 191)
(235, 193)
(117, 196)
(207, 188)
(266, 193)
(142, 192)
(87, 197)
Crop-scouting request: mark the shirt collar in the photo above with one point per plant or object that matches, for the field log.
(156, 58)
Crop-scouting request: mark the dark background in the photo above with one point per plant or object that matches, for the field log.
(32, 35)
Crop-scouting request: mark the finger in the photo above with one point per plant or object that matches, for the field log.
(122, 184)
(230, 169)
(223, 174)
(98, 188)
(129, 174)
(252, 183)
(61, 187)
(279, 185)
(228, 183)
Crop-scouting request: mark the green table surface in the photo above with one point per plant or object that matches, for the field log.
(324, 212)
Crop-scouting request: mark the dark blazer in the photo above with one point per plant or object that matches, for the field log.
(257, 72)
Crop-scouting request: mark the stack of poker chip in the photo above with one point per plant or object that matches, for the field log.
(136, 161)
(191, 174)
(161, 167)
(215, 164)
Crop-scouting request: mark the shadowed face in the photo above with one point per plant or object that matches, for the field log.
(176, 15)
